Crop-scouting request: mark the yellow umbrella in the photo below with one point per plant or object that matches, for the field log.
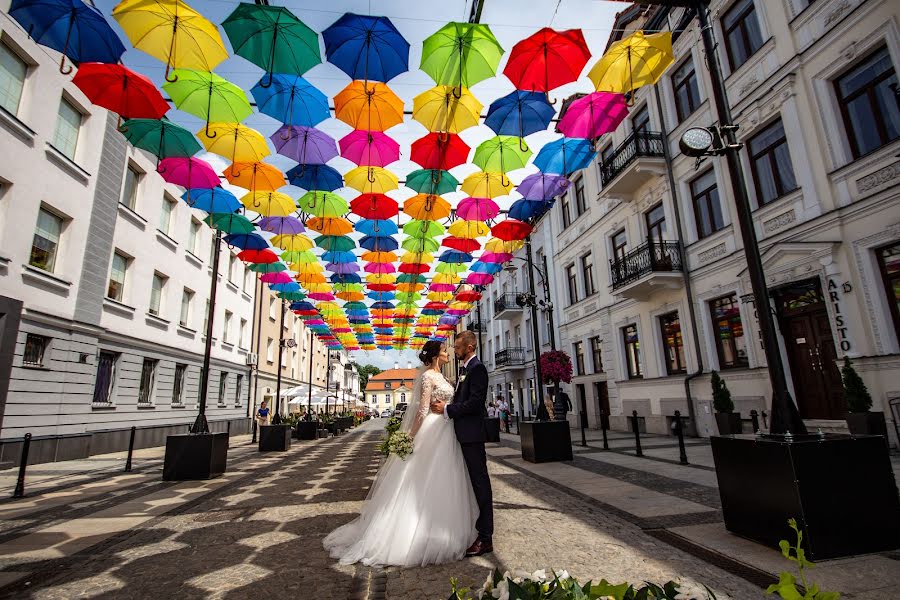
(486, 185)
(499, 246)
(330, 225)
(270, 204)
(235, 141)
(301, 268)
(417, 258)
(173, 32)
(469, 230)
(318, 287)
(380, 278)
(440, 296)
(632, 62)
(371, 180)
(446, 278)
(438, 109)
(292, 242)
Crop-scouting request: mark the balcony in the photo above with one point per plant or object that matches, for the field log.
(505, 307)
(646, 269)
(636, 161)
(510, 357)
(477, 326)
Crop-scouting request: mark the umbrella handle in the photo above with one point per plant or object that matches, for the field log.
(502, 177)
(457, 95)
(62, 61)
(270, 75)
(549, 101)
(120, 125)
(174, 77)
(210, 134)
(65, 70)
(289, 135)
(370, 175)
(522, 145)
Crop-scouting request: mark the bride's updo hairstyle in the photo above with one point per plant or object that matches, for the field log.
(430, 351)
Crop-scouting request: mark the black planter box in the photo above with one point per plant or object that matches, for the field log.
(840, 488)
(306, 430)
(491, 429)
(546, 441)
(192, 456)
(323, 433)
(867, 423)
(729, 423)
(274, 438)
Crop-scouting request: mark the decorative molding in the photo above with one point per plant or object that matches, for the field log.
(712, 253)
(836, 13)
(43, 279)
(849, 51)
(748, 84)
(780, 221)
(879, 178)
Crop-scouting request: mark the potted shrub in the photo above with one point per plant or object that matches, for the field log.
(728, 421)
(860, 421)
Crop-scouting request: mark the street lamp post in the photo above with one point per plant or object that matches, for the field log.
(200, 424)
(542, 414)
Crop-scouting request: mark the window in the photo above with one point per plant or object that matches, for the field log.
(707, 210)
(35, 345)
(248, 277)
(632, 352)
(187, 301)
(770, 164)
(231, 260)
(156, 293)
(238, 389)
(729, 332)
(178, 385)
(596, 355)
(12, 79)
(656, 223)
(580, 204)
(578, 348)
(242, 334)
(130, 187)
(165, 216)
(387, 398)
(226, 328)
(270, 350)
(206, 319)
(742, 35)
(687, 94)
(889, 261)
(106, 376)
(387, 385)
(45, 243)
(564, 208)
(587, 269)
(148, 379)
(194, 237)
(223, 385)
(116, 287)
(402, 397)
(272, 308)
(868, 99)
(68, 124)
(640, 121)
(673, 344)
(572, 280)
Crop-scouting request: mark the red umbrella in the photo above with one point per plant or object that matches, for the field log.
(416, 268)
(258, 256)
(468, 296)
(374, 206)
(547, 60)
(121, 90)
(460, 244)
(440, 151)
(381, 287)
(510, 230)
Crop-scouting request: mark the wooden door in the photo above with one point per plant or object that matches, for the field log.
(602, 393)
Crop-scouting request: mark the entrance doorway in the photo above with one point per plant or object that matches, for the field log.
(582, 405)
(601, 392)
(806, 328)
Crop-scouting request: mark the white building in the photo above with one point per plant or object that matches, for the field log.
(104, 279)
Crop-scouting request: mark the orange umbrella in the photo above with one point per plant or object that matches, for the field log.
(330, 226)
(371, 106)
(379, 257)
(427, 207)
(255, 176)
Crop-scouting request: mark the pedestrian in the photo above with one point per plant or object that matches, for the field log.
(561, 405)
(491, 411)
(262, 415)
(504, 413)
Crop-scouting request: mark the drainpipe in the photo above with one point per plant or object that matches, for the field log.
(685, 272)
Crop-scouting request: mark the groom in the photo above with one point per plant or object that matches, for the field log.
(468, 412)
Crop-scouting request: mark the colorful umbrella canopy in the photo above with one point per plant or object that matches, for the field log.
(441, 151)
(230, 223)
(323, 204)
(234, 141)
(187, 172)
(423, 229)
(255, 176)
(565, 156)
(461, 55)
(477, 209)
(460, 244)
(519, 113)
(371, 180)
(525, 210)
(367, 48)
(376, 227)
(160, 137)
(547, 59)
(121, 90)
(269, 204)
(593, 115)
(330, 225)
(292, 243)
(374, 206)
(442, 109)
(171, 31)
(468, 230)
(486, 185)
(369, 148)
(637, 60)
(372, 106)
(282, 225)
(267, 268)
(431, 181)
(511, 229)
(272, 38)
(208, 96)
(305, 145)
(258, 256)
(424, 207)
(502, 153)
(215, 200)
(246, 241)
(335, 243)
(543, 186)
(315, 177)
(291, 100)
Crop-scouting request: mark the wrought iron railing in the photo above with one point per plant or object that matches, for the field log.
(637, 145)
(510, 357)
(506, 302)
(652, 257)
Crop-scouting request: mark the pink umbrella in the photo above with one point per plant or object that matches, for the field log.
(479, 278)
(593, 115)
(457, 311)
(280, 277)
(442, 287)
(322, 297)
(380, 268)
(190, 173)
(496, 257)
(369, 148)
(477, 209)
(314, 321)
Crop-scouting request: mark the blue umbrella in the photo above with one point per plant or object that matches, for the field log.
(215, 200)
(382, 306)
(291, 100)
(285, 287)
(379, 244)
(345, 278)
(381, 296)
(321, 178)
(454, 256)
(338, 256)
(302, 306)
(366, 47)
(246, 241)
(483, 267)
(565, 156)
(376, 227)
(72, 27)
(520, 113)
(525, 210)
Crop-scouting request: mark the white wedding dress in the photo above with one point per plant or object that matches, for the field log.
(421, 510)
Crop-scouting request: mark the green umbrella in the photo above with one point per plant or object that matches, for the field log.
(230, 223)
(450, 267)
(273, 38)
(323, 204)
(292, 296)
(275, 267)
(335, 243)
(461, 55)
(501, 154)
(410, 278)
(423, 229)
(160, 137)
(208, 96)
(412, 244)
(408, 297)
(432, 181)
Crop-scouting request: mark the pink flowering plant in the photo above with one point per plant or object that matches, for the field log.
(556, 367)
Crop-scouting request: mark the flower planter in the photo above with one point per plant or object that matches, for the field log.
(546, 441)
(729, 423)
(323, 433)
(195, 456)
(306, 430)
(491, 429)
(274, 438)
(867, 423)
(840, 488)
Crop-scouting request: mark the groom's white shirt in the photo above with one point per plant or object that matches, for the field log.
(465, 366)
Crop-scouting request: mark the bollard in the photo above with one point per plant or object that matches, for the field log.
(130, 450)
(754, 418)
(603, 429)
(253, 441)
(583, 418)
(637, 434)
(228, 435)
(23, 462)
(765, 420)
(679, 431)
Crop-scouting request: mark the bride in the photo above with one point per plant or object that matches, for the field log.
(421, 510)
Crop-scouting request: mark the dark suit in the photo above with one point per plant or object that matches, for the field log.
(468, 412)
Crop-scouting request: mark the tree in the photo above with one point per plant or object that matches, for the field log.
(366, 371)
(721, 394)
(855, 392)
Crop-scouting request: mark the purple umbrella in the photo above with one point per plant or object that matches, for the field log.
(448, 320)
(543, 186)
(305, 145)
(282, 225)
(342, 267)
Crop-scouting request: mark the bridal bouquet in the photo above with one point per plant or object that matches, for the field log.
(401, 444)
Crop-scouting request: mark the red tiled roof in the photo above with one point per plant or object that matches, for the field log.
(392, 377)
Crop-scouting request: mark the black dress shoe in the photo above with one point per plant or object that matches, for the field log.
(479, 547)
